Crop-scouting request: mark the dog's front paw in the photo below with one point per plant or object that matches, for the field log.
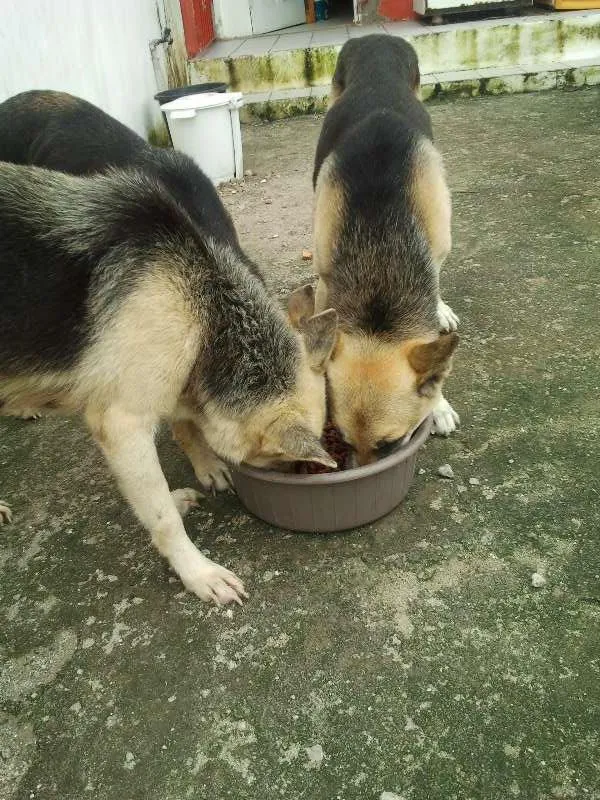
(447, 318)
(445, 418)
(214, 476)
(5, 513)
(213, 583)
(186, 499)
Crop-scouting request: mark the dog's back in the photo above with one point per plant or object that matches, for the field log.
(373, 73)
(59, 131)
(64, 240)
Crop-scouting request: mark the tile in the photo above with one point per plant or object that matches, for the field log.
(292, 41)
(356, 31)
(290, 94)
(331, 37)
(256, 46)
(257, 97)
(221, 49)
(407, 28)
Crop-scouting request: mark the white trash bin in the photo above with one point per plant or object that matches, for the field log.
(206, 127)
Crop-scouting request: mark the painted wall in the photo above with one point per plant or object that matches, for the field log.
(232, 18)
(96, 49)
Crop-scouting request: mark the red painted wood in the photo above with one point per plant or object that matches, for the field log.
(197, 25)
(396, 9)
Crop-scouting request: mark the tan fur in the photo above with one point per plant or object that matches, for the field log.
(157, 338)
(373, 389)
(52, 99)
(431, 198)
(334, 94)
(330, 207)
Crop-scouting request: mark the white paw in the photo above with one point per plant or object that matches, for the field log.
(5, 513)
(448, 319)
(211, 582)
(445, 418)
(216, 478)
(186, 499)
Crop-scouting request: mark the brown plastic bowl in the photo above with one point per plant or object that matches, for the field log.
(334, 501)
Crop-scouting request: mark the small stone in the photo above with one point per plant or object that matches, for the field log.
(538, 580)
(446, 471)
(274, 236)
(268, 202)
(307, 255)
(248, 173)
(422, 471)
(474, 481)
(263, 180)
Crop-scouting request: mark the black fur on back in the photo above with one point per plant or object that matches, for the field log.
(381, 280)
(73, 249)
(62, 132)
(374, 73)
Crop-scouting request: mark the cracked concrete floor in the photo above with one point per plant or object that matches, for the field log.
(410, 659)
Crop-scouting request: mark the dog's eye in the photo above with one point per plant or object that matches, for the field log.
(386, 446)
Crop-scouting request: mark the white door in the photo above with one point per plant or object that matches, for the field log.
(272, 15)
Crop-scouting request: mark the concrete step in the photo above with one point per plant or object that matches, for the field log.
(305, 60)
(283, 103)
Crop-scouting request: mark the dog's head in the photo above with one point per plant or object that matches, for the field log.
(379, 391)
(287, 428)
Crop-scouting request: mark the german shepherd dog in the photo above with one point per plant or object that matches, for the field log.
(382, 231)
(118, 305)
(62, 132)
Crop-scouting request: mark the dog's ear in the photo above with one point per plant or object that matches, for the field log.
(301, 305)
(296, 443)
(432, 361)
(320, 335)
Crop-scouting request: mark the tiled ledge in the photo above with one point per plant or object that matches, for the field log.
(283, 103)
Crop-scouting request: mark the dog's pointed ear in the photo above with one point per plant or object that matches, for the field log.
(301, 306)
(320, 336)
(432, 361)
(299, 444)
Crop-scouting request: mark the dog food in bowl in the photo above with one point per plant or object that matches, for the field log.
(321, 502)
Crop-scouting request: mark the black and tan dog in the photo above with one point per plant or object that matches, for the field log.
(118, 305)
(382, 231)
(59, 131)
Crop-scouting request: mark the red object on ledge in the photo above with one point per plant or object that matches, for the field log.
(197, 25)
(396, 9)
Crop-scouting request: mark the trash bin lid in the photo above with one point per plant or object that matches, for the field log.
(191, 102)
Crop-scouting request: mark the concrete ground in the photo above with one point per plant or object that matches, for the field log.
(410, 659)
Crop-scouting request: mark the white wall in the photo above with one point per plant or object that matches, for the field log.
(231, 18)
(96, 49)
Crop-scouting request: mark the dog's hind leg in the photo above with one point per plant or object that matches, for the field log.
(433, 207)
(127, 441)
(5, 513)
(211, 472)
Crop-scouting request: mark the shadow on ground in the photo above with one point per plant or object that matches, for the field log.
(410, 659)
